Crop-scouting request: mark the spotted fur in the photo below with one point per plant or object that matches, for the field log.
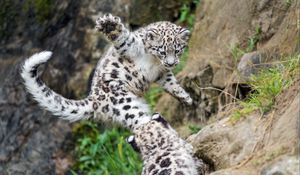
(162, 150)
(134, 61)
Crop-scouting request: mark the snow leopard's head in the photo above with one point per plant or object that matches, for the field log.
(166, 41)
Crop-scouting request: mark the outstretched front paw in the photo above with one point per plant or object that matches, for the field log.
(110, 26)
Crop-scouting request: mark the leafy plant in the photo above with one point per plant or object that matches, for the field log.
(187, 13)
(266, 86)
(103, 153)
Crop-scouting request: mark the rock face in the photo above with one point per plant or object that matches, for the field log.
(67, 29)
(255, 145)
(223, 32)
(144, 12)
(26, 131)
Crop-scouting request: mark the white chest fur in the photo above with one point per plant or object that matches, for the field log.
(149, 66)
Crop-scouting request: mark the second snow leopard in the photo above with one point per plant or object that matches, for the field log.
(163, 151)
(121, 77)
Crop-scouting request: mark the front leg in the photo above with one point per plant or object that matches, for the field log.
(170, 84)
(117, 33)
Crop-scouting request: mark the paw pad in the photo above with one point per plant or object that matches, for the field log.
(108, 23)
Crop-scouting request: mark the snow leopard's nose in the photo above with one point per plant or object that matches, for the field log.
(170, 61)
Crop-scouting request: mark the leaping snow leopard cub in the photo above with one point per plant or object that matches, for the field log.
(121, 77)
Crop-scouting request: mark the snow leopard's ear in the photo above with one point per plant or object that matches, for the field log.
(159, 118)
(184, 34)
(151, 34)
(132, 142)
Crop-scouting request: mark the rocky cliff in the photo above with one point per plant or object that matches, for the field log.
(230, 41)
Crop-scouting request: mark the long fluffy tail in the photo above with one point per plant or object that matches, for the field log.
(66, 108)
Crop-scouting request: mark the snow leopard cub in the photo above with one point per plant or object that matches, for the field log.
(122, 75)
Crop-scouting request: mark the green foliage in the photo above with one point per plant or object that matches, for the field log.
(194, 129)
(187, 13)
(104, 153)
(266, 86)
(152, 95)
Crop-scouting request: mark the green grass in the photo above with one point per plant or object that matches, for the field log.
(266, 86)
(103, 152)
(194, 129)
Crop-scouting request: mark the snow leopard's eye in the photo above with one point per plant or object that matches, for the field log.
(150, 36)
(163, 53)
(154, 48)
